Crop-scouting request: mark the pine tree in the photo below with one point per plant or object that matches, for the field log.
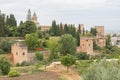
(83, 31)
(2, 25)
(79, 29)
(93, 31)
(78, 38)
(53, 29)
(21, 22)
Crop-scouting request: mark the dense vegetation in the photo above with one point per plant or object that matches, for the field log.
(102, 70)
(4, 66)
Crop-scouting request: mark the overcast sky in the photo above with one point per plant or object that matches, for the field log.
(87, 12)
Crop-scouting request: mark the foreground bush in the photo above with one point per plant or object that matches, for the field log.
(103, 70)
(4, 66)
(13, 73)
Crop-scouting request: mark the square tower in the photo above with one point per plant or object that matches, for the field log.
(19, 52)
(86, 45)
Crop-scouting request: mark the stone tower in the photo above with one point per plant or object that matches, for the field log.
(100, 31)
(28, 18)
(34, 18)
(100, 37)
(19, 52)
(86, 45)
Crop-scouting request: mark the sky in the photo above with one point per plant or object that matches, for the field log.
(88, 12)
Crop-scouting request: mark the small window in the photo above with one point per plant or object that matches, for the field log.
(23, 53)
(83, 44)
(89, 44)
(16, 53)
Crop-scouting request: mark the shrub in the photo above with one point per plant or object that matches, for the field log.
(103, 70)
(5, 46)
(39, 56)
(4, 66)
(82, 55)
(2, 52)
(0, 72)
(24, 63)
(13, 73)
(17, 64)
(82, 65)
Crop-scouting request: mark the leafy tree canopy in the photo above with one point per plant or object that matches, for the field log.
(27, 28)
(68, 44)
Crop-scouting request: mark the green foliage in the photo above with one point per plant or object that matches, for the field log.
(103, 70)
(93, 31)
(13, 73)
(17, 64)
(4, 65)
(67, 44)
(68, 60)
(7, 25)
(53, 30)
(78, 38)
(2, 52)
(27, 27)
(24, 63)
(82, 56)
(11, 21)
(5, 46)
(39, 56)
(82, 65)
(62, 78)
(31, 40)
(95, 46)
(53, 45)
(2, 25)
(0, 72)
(108, 42)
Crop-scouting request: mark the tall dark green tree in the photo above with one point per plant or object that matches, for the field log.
(53, 30)
(93, 31)
(12, 21)
(65, 29)
(21, 22)
(11, 25)
(2, 25)
(78, 38)
(61, 29)
(79, 29)
(108, 42)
